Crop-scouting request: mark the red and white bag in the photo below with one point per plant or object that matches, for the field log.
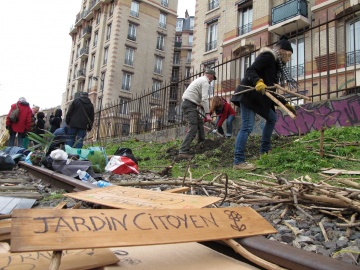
(122, 165)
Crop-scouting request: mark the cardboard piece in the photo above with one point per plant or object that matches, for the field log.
(135, 198)
(71, 259)
(185, 256)
(65, 229)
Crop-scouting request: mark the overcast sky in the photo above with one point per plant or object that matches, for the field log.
(35, 49)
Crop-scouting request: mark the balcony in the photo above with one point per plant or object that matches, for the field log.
(81, 74)
(86, 33)
(164, 3)
(129, 62)
(211, 46)
(162, 25)
(157, 70)
(78, 20)
(177, 44)
(353, 58)
(84, 53)
(134, 13)
(289, 17)
(96, 4)
(73, 30)
(131, 37)
(245, 29)
(89, 14)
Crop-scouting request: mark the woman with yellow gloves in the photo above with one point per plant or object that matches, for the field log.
(269, 68)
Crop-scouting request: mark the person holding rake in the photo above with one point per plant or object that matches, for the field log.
(268, 69)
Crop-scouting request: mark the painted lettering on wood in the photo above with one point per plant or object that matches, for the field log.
(45, 229)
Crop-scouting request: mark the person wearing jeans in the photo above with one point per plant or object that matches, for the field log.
(269, 68)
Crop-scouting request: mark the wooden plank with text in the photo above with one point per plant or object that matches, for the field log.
(136, 198)
(58, 229)
(71, 259)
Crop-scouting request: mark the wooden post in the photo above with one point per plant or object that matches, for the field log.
(55, 260)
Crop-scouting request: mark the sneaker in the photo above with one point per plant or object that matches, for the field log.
(244, 166)
(185, 155)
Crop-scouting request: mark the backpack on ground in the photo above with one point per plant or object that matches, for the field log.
(14, 114)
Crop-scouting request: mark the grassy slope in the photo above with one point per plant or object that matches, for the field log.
(290, 157)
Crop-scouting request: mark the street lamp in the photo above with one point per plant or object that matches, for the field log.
(100, 107)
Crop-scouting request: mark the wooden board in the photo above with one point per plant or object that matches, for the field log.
(135, 198)
(185, 256)
(335, 171)
(70, 260)
(63, 229)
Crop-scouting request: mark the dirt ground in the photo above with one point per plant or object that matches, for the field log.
(223, 148)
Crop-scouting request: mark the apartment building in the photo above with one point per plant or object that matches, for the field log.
(324, 35)
(119, 49)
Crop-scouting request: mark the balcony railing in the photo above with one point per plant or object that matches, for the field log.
(353, 58)
(177, 44)
(211, 45)
(164, 3)
(162, 25)
(289, 10)
(213, 4)
(125, 87)
(81, 74)
(159, 47)
(131, 37)
(297, 70)
(134, 13)
(157, 70)
(84, 52)
(129, 62)
(245, 29)
(86, 31)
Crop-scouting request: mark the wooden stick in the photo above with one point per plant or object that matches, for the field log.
(277, 102)
(251, 257)
(291, 92)
(323, 231)
(322, 142)
(55, 260)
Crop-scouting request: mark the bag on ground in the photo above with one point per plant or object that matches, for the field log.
(122, 165)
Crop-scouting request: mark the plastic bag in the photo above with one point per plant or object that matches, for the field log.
(122, 165)
(6, 162)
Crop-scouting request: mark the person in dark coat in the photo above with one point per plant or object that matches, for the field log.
(55, 120)
(40, 123)
(224, 111)
(269, 68)
(23, 125)
(79, 119)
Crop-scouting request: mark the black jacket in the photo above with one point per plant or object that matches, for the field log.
(80, 114)
(55, 120)
(264, 67)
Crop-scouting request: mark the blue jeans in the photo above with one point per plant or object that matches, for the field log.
(76, 137)
(19, 140)
(247, 125)
(229, 125)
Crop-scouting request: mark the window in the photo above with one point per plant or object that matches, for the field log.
(78, 51)
(211, 37)
(187, 73)
(158, 65)
(175, 75)
(246, 61)
(162, 20)
(191, 38)
(89, 84)
(81, 86)
(353, 43)
(92, 63)
(95, 38)
(134, 10)
(213, 4)
(156, 89)
(179, 25)
(176, 59)
(178, 41)
(112, 7)
(160, 42)
(129, 56)
(297, 62)
(126, 81)
(108, 31)
(132, 32)
(98, 17)
(106, 51)
(245, 20)
(192, 23)
(188, 58)
(75, 71)
(124, 105)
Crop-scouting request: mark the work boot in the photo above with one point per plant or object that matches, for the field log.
(244, 166)
(185, 156)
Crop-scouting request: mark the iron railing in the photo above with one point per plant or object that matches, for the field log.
(289, 10)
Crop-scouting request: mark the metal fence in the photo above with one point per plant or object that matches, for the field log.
(325, 64)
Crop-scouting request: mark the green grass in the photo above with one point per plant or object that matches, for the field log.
(298, 156)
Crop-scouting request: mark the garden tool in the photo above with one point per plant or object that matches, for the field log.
(214, 131)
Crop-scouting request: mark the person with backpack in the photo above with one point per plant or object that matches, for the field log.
(18, 123)
(79, 119)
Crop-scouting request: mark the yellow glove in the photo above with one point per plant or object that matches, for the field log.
(260, 86)
(290, 108)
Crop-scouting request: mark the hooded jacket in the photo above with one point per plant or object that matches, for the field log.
(80, 114)
(264, 67)
(24, 123)
(55, 120)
